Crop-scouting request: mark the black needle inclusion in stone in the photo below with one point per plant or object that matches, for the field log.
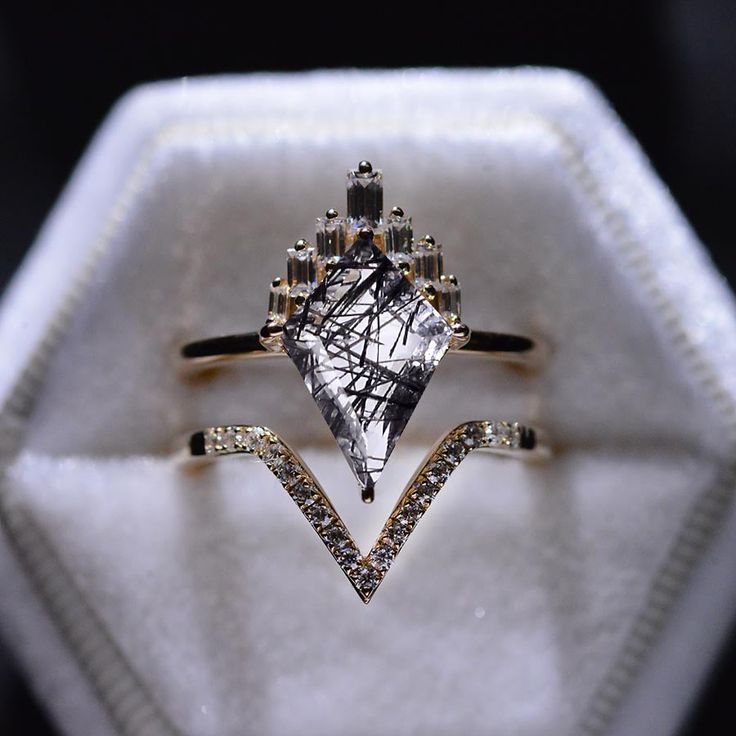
(366, 343)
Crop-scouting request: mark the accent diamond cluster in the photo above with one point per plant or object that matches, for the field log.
(365, 316)
(420, 261)
(366, 572)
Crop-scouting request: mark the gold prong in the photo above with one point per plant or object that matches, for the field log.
(271, 335)
(405, 268)
(460, 335)
(429, 292)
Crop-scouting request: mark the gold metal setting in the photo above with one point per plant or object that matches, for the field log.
(420, 260)
(365, 572)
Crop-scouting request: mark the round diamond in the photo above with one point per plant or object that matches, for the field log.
(454, 452)
(382, 556)
(475, 435)
(347, 555)
(301, 490)
(428, 490)
(255, 440)
(365, 578)
(335, 535)
(423, 497)
(271, 454)
(502, 434)
(318, 514)
(285, 469)
(437, 473)
(411, 512)
(397, 532)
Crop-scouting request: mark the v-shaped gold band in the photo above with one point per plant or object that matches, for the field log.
(365, 572)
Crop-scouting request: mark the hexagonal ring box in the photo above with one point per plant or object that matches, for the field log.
(564, 598)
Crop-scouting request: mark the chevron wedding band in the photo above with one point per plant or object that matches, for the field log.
(365, 571)
(366, 315)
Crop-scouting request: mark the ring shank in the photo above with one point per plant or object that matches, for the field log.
(247, 345)
(506, 438)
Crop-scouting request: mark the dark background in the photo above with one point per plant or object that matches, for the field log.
(668, 67)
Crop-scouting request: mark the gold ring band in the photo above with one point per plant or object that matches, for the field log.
(248, 345)
(365, 572)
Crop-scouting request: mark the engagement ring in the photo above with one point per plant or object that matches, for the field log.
(366, 315)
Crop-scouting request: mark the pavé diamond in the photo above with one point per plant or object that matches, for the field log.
(423, 497)
(454, 452)
(397, 532)
(382, 556)
(347, 555)
(301, 491)
(335, 535)
(438, 473)
(411, 511)
(365, 572)
(366, 578)
(366, 344)
(318, 515)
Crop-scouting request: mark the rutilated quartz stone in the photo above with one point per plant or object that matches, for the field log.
(366, 343)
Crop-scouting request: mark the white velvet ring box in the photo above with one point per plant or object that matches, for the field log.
(587, 595)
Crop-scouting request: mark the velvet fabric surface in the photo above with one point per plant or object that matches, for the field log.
(531, 599)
